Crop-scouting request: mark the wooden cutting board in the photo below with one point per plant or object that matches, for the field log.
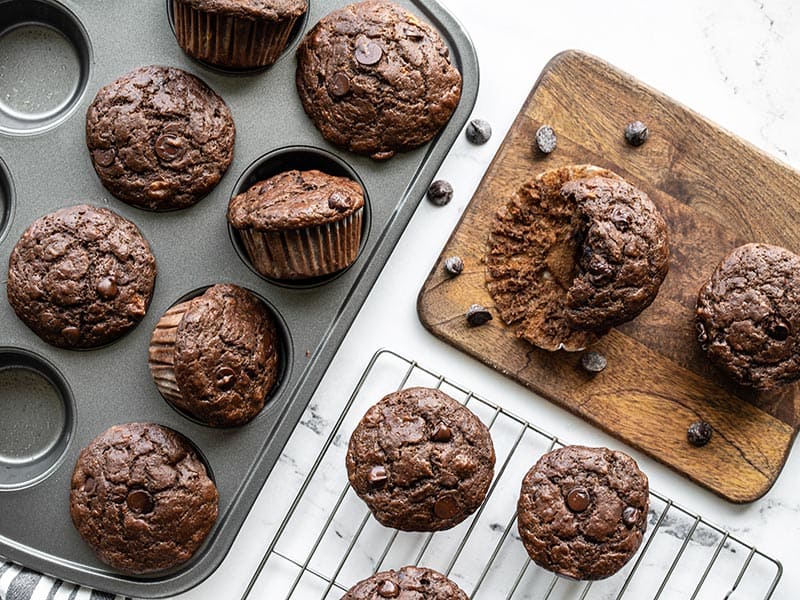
(715, 192)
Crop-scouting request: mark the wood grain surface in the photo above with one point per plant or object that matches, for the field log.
(715, 192)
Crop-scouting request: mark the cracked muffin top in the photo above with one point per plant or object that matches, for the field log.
(141, 498)
(407, 583)
(748, 319)
(376, 80)
(420, 460)
(81, 277)
(582, 512)
(159, 138)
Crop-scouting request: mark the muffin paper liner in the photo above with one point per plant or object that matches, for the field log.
(307, 252)
(161, 353)
(228, 41)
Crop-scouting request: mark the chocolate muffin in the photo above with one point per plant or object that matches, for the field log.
(141, 498)
(159, 138)
(299, 224)
(237, 34)
(420, 460)
(376, 79)
(576, 251)
(215, 356)
(409, 582)
(81, 277)
(748, 316)
(582, 512)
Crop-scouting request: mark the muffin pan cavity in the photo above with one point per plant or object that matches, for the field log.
(302, 158)
(6, 199)
(38, 94)
(38, 418)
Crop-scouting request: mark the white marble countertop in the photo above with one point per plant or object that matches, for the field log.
(733, 61)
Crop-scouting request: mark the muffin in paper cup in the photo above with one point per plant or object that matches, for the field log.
(236, 34)
(299, 224)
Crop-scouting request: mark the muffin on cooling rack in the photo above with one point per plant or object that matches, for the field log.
(408, 582)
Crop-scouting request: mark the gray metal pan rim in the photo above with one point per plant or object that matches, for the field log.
(7, 200)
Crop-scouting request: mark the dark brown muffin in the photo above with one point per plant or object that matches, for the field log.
(81, 277)
(238, 34)
(141, 498)
(420, 460)
(576, 251)
(582, 512)
(409, 583)
(376, 80)
(215, 356)
(300, 224)
(748, 316)
(159, 138)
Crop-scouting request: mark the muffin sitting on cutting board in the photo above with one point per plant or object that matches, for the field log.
(576, 251)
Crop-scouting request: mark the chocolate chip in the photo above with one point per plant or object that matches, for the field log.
(442, 433)
(629, 516)
(440, 192)
(169, 147)
(413, 33)
(446, 507)
(339, 201)
(226, 378)
(478, 132)
(454, 265)
(104, 157)
(699, 433)
(107, 287)
(89, 485)
(478, 315)
(578, 499)
(378, 475)
(71, 334)
(546, 139)
(340, 85)
(368, 52)
(778, 331)
(389, 589)
(636, 133)
(140, 501)
(593, 362)
(622, 217)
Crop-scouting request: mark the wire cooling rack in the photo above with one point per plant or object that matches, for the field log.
(328, 540)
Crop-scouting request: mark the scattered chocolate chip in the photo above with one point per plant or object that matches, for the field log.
(478, 131)
(593, 362)
(578, 499)
(89, 485)
(442, 433)
(368, 52)
(440, 192)
(699, 433)
(169, 147)
(629, 516)
(71, 333)
(389, 589)
(226, 378)
(454, 265)
(478, 315)
(636, 133)
(446, 507)
(378, 475)
(140, 501)
(546, 140)
(104, 157)
(107, 287)
(339, 201)
(340, 85)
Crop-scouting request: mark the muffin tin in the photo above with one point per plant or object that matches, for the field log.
(54, 56)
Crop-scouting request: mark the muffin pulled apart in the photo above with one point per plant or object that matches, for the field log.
(576, 251)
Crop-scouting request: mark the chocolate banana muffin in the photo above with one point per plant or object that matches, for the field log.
(409, 582)
(376, 79)
(81, 277)
(300, 224)
(576, 251)
(215, 356)
(582, 512)
(420, 460)
(141, 498)
(748, 316)
(159, 138)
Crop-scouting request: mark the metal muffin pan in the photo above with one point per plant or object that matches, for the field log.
(44, 165)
